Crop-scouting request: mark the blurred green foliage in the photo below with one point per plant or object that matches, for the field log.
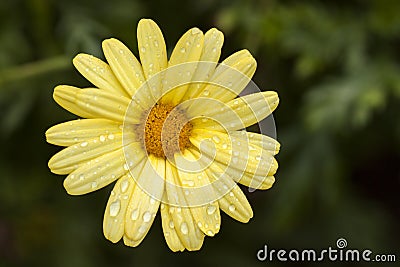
(335, 65)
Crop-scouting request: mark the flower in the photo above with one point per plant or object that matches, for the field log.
(169, 132)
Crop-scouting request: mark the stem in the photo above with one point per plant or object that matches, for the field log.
(33, 69)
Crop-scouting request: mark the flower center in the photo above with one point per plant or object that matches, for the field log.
(166, 131)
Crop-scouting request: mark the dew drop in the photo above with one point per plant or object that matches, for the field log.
(126, 167)
(217, 226)
(146, 216)
(142, 229)
(184, 228)
(155, 43)
(111, 136)
(84, 144)
(81, 177)
(232, 207)
(143, 49)
(134, 215)
(210, 233)
(206, 93)
(195, 31)
(236, 153)
(224, 146)
(211, 209)
(199, 224)
(124, 186)
(94, 185)
(258, 157)
(183, 50)
(102, 138)
(214, 49)
(171, 224)
(114, 208)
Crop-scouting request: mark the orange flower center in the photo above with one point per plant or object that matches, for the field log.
(166, 131)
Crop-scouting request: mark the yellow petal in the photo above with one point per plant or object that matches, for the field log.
(77, 131)
(199, 194)
(98, 73)
(170, 234)
(250, 180)
(94, 103)
(124, 65)
(234, 153)
(263, 141)
(70, 158)
(145, 199)
(186, 229)
(231, 199)
(180, 71)
(237, 113)
(101, 171)
(230, 77)
(131, 243)
(213, 41)
(235, 204)
(153, 53)
(114, 215)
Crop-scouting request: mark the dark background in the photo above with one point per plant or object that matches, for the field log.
(335, 65)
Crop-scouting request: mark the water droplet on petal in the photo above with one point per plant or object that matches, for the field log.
(114, 208)
(211, 209)
(142, 229)
(124, 185)
(84, 144)
(258, 157)
(184, 228)
(183, 50)
(171, 224)
(102, 138)
(206, 93)
(155, 43)
(199, 224)
(143, 49)
(111, 136)
(146, 216)
(195, 31)
(135, 215)
(210, 233)
(126, 167)
(94, 185)
(232, 207)
(214, 49)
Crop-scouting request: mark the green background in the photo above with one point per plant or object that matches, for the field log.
(335, 65)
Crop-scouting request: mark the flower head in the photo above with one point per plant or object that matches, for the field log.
(169, 132)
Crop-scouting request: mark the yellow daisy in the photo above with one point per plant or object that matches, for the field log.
(170, 132)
